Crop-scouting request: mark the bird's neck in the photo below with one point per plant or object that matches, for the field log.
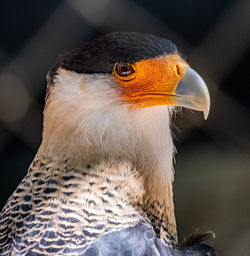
(140, 139)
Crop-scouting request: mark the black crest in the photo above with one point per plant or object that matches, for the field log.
(100, 55)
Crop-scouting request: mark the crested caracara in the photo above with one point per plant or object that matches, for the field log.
(101, 181)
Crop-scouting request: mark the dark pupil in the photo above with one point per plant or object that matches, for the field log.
(124, 69)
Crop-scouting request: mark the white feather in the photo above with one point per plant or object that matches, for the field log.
(86, 117)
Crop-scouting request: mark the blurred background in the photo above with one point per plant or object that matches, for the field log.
(212, 182)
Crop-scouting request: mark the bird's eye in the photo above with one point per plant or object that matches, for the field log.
(124, 69)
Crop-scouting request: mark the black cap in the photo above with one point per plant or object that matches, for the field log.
(101, 54)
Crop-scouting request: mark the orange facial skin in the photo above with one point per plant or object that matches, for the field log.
(153, 82)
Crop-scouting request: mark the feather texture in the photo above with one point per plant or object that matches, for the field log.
(85, 116)
(101, 182)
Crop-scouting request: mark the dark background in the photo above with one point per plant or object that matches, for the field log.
(212, 182)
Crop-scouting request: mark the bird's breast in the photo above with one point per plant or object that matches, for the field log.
(57, 206)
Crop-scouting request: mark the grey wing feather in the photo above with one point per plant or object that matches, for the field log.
(135, 241)
(142, 241)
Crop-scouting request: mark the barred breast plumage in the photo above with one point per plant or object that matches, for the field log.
(59, 209)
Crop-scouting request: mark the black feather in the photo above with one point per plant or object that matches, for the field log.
(101, 54)
(197, 238)
(195, 246)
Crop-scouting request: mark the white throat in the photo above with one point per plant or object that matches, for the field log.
(85, 117)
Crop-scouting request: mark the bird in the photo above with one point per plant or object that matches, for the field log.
(101, 182)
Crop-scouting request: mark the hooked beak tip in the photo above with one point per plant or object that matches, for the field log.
(192, 92)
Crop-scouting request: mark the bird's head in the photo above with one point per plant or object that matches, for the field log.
(112, 97)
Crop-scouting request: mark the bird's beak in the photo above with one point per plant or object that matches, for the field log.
(191, 92)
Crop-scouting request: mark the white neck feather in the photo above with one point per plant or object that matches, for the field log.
(84, 117)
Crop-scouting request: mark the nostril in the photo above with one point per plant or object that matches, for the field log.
(178, 70)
